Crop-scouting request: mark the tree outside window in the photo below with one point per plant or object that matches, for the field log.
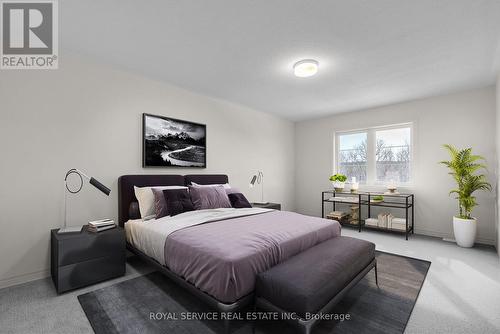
(390, 161)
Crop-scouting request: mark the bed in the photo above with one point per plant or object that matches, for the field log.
(216, 254)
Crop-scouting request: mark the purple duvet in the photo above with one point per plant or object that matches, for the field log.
(222, 258)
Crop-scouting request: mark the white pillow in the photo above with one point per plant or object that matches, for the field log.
(226, 185)
(146, 198)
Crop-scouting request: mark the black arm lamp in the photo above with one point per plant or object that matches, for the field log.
(105, 190)
(259, 179)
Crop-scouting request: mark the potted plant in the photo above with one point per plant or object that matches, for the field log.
(464, 167)
(338, 181)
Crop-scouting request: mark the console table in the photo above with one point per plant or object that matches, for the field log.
(365, 200)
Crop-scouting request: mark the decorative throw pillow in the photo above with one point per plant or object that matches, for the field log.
(232, 190)
(178, 201)
(160, 204)
(146, 198)
(209, 197)
(225, 185)
(238, 200)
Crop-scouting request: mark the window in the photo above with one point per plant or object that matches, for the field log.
(352, 155)
(393, 155)
(377, 155)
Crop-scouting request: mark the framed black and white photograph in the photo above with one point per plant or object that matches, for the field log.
(170, 142)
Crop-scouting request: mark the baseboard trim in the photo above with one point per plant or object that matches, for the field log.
(449, 237)
(25, 278)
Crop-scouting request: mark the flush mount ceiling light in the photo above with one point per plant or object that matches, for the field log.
(305, 68)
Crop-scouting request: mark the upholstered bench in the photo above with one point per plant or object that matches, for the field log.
(313, 281)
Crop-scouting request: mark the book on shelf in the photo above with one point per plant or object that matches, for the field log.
(398, 224)
(387, 220)
(371, 222)
(340, 216)
(337, 215)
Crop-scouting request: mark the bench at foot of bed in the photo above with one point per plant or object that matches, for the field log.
(313, 281)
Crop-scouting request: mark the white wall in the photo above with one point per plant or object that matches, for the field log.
(88, 116)
(464, 119)
(498, 161)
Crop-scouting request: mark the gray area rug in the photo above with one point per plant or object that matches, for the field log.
(128, 307)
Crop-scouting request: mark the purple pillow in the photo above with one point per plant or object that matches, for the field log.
(178, 201)
(161, 209)
(160, 204)
(232, 190)
(238, 200)
(209, 197)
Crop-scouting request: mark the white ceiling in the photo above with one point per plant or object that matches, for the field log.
(371, 52)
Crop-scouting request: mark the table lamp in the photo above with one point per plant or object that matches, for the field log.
(259, 179)
(98, 185)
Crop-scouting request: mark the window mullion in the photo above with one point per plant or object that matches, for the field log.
(371, 157)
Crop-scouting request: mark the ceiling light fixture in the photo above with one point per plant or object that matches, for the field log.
(305, 68)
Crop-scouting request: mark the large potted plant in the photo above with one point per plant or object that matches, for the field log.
(465, 169)
(338, 181)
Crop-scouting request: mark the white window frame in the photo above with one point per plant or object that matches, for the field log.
(371, 172)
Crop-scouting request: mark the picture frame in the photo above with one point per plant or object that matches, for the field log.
(172, 142)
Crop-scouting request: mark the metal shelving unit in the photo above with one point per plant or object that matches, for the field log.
(364, 199)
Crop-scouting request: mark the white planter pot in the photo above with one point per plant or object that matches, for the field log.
(338, 186)
(465, 231)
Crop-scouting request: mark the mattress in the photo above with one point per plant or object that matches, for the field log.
(222, 255)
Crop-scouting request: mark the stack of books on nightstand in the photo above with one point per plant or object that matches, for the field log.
(101, 225)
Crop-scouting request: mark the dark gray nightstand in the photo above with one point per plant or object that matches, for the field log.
(80, 259)
(275, 206)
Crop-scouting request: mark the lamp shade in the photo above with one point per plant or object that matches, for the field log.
(100, 186)
(252, 181)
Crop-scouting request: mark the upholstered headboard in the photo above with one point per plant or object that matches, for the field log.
(206, 179)
(127, 203)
